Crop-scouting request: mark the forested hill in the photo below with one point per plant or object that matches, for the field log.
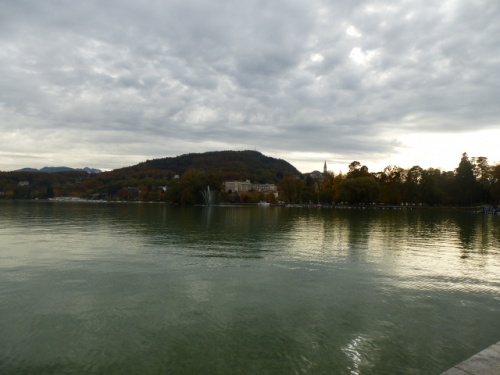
(238, 165)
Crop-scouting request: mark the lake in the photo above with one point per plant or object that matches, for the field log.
(117, 288)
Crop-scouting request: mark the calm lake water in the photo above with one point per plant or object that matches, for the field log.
(103, 288)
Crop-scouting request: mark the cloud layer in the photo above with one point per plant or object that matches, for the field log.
(113, 83)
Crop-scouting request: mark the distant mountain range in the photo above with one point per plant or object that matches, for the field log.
(60, 169)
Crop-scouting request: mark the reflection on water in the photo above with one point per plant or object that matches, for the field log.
(147, 288)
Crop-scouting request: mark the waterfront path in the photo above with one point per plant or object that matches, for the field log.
(486, 362)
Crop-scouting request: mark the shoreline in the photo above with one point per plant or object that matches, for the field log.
(482, 209)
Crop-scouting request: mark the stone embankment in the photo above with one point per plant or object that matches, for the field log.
(486, 362)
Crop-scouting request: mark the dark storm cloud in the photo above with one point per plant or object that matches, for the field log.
(191, 75)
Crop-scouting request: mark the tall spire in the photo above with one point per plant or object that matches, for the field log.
(325, 169)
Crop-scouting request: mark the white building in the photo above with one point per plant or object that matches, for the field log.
(264, 188)
(239, 186)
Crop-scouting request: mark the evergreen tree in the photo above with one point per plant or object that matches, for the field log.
(466, 186)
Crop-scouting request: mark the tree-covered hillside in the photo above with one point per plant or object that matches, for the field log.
(238, 165)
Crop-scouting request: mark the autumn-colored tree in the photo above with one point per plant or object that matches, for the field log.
(359, 190)
(356, 170)
(252, 197)
(495, 184)
(188, 189)
(391, 184)
(483, 174)
(411, 186)
(430, 187)
(291, 189)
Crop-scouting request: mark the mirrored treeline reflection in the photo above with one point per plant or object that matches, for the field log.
(150, 288)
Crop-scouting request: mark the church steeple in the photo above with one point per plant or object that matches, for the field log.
(325, 169)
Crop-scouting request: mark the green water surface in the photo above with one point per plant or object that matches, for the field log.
(110, 288)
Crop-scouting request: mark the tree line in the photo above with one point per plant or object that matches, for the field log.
(473, 182)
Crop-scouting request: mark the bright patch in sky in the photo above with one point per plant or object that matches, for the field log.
(317, 57)
(352, 31)
(444, 150)
(361, 57)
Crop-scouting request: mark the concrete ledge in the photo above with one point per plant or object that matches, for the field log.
(486, 362)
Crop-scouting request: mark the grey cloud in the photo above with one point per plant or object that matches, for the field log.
(280, 74)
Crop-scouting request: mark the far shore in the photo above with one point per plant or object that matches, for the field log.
(342, 206)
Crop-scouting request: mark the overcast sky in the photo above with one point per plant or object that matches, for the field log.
(108, 84)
